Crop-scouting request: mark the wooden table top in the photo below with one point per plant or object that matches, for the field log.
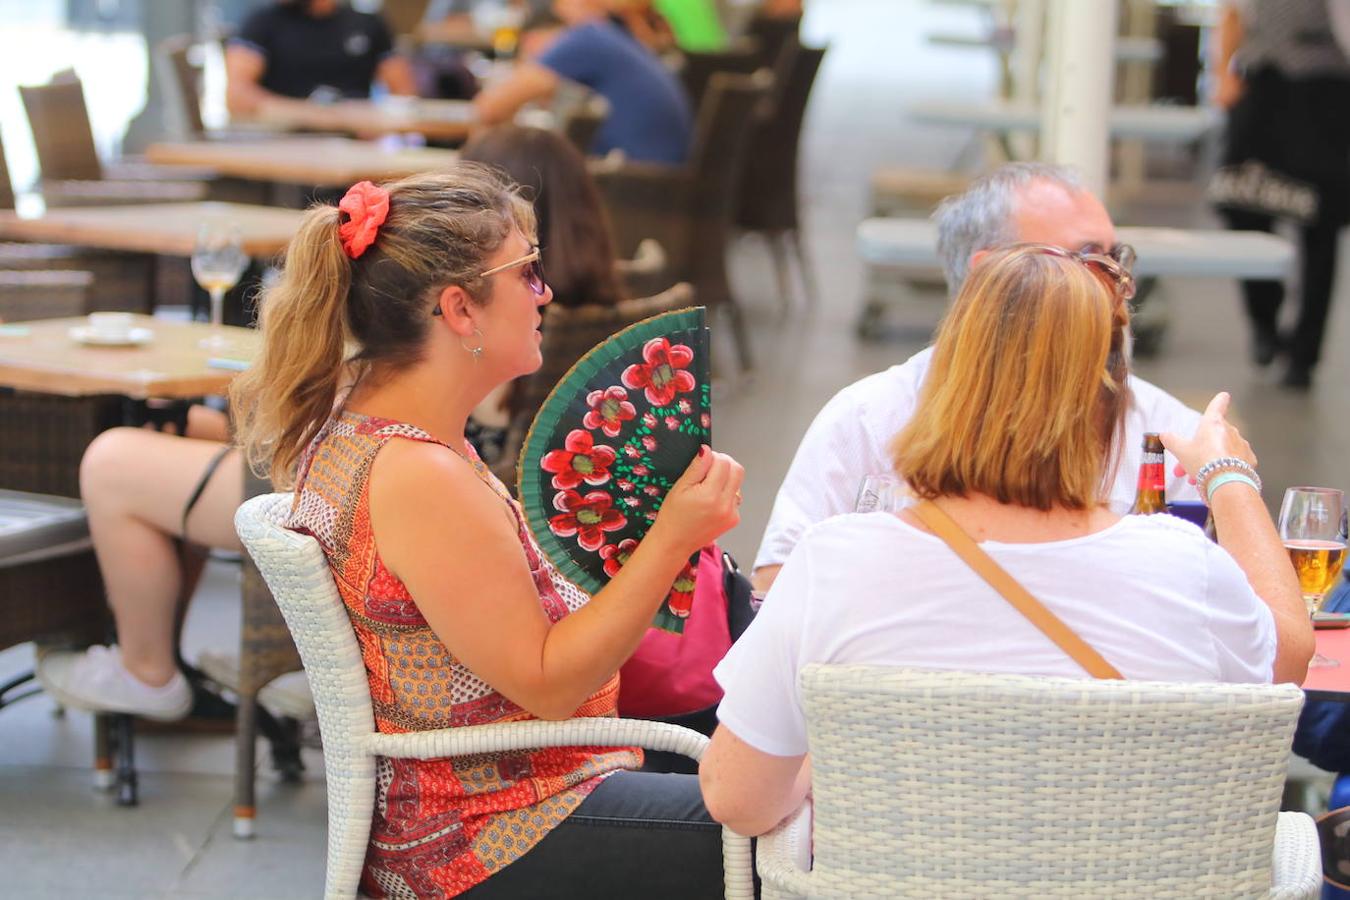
(42, 356)
(1331, 682)
(165, 228)
(304, 160)
(444, 120)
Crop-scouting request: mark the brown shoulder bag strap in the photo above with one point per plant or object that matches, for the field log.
(1053, 627)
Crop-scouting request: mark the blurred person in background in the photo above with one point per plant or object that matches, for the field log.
(649, 114)
(1284, 78)
(310, 49)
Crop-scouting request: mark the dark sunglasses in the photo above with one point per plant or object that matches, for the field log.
(533, 274)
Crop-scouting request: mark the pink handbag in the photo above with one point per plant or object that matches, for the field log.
(671, 674)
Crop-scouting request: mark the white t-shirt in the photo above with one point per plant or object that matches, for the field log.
(851, 437)
(1150, 593)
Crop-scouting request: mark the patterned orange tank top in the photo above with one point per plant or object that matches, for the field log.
(441, 826)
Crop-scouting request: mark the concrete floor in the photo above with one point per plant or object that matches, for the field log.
(60, 838)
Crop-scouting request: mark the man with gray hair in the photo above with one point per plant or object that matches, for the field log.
(851, 436)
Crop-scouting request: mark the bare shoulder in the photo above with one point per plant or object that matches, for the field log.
(426, 477)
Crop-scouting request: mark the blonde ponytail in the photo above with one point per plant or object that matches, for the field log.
(283, 399)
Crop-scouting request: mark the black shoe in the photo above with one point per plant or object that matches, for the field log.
(1297, 378)
(1265, 346)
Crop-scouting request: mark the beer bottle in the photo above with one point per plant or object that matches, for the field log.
(1150, 497)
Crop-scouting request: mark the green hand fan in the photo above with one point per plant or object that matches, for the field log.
(608, 443)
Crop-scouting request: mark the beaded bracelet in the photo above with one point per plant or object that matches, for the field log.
(1222, 478)
(1226, 463)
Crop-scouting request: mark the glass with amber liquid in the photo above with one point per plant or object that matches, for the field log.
(1313, 528)
(1151, 495)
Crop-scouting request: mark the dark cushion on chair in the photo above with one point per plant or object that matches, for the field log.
(39, 526)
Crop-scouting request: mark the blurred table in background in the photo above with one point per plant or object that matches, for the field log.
(439, 120)
(1178, 124)
(168, 229)
(326, 161)
(912, 243)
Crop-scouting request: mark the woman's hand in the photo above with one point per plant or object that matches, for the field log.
(703, 504)
(1228, 89)
(1214, 437)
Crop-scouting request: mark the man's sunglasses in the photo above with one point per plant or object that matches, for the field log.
(534, 274)
(1113, 267)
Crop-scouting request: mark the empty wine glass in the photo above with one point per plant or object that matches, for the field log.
(218, 261)
(1313, 528)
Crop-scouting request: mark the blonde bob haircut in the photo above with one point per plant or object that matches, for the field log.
(1026, 391)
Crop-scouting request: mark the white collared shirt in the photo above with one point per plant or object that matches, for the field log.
(851, 436)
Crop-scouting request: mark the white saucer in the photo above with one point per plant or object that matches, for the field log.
(134, 337)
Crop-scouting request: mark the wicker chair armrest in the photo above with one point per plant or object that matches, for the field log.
(601, 732)
(76, 192)
(781, 853)
(1296, 866)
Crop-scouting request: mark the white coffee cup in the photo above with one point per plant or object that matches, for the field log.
(110, 326)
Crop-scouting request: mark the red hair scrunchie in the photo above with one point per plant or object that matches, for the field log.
(366, 206)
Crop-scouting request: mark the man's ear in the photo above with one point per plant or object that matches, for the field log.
(975, 259)
(457, 309)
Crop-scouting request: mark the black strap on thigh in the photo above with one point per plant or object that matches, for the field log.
(201, 485)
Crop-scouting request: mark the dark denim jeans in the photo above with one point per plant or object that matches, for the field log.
(639, 834)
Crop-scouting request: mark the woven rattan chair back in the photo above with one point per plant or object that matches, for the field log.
(698, 68)
(62, 135)
(297, 573)
(952, 784)
(769, 197)
(25, 296)
(182, 80)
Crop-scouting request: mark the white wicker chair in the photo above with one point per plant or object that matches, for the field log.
(294, 568)
(950, 784)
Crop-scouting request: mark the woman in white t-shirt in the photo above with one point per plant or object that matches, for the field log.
(1013, 439)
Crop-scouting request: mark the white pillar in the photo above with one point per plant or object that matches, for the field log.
(1078, 88)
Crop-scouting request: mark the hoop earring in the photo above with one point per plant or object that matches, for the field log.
(476, 352)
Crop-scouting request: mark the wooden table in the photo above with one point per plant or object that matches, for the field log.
(1331, 682)
(305, 160)
(41, 356)
(442, 120)
(169, 229)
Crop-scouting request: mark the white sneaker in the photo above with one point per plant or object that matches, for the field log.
(96, 680)
(285, 695)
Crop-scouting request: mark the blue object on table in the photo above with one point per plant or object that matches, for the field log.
(1194, 511)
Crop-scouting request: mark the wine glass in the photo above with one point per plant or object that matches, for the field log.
(879, 493)
(218, 261)
(1313, 528)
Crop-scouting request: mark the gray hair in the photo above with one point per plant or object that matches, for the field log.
(981, 217)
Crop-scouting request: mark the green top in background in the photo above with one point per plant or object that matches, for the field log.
(695, 24)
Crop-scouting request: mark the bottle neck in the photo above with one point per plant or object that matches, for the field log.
(1150, 495)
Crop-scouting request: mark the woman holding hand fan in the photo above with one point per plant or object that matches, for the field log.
(425, 295)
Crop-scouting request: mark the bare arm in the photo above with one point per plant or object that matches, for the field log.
(474, 588)
(1227, 39)
(244, 94)
(395, 73)
(763, 577)
(1246, 532)
(747, 790)
(499, 102)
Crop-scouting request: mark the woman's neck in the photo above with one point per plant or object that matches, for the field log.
(421, 395)
(986, 519)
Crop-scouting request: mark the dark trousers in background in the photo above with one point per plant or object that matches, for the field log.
(1317, 274)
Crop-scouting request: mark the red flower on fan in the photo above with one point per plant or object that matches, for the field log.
(580, 460)
(616, 555)
(672, 423)
(649, 419)
(705, 420)
(609, 410)
(631, 451)
(681, 599)
(587, 517)
(662, 373)
(685, 406)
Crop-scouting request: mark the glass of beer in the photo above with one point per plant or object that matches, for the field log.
(218, 262)
(1313, 528)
